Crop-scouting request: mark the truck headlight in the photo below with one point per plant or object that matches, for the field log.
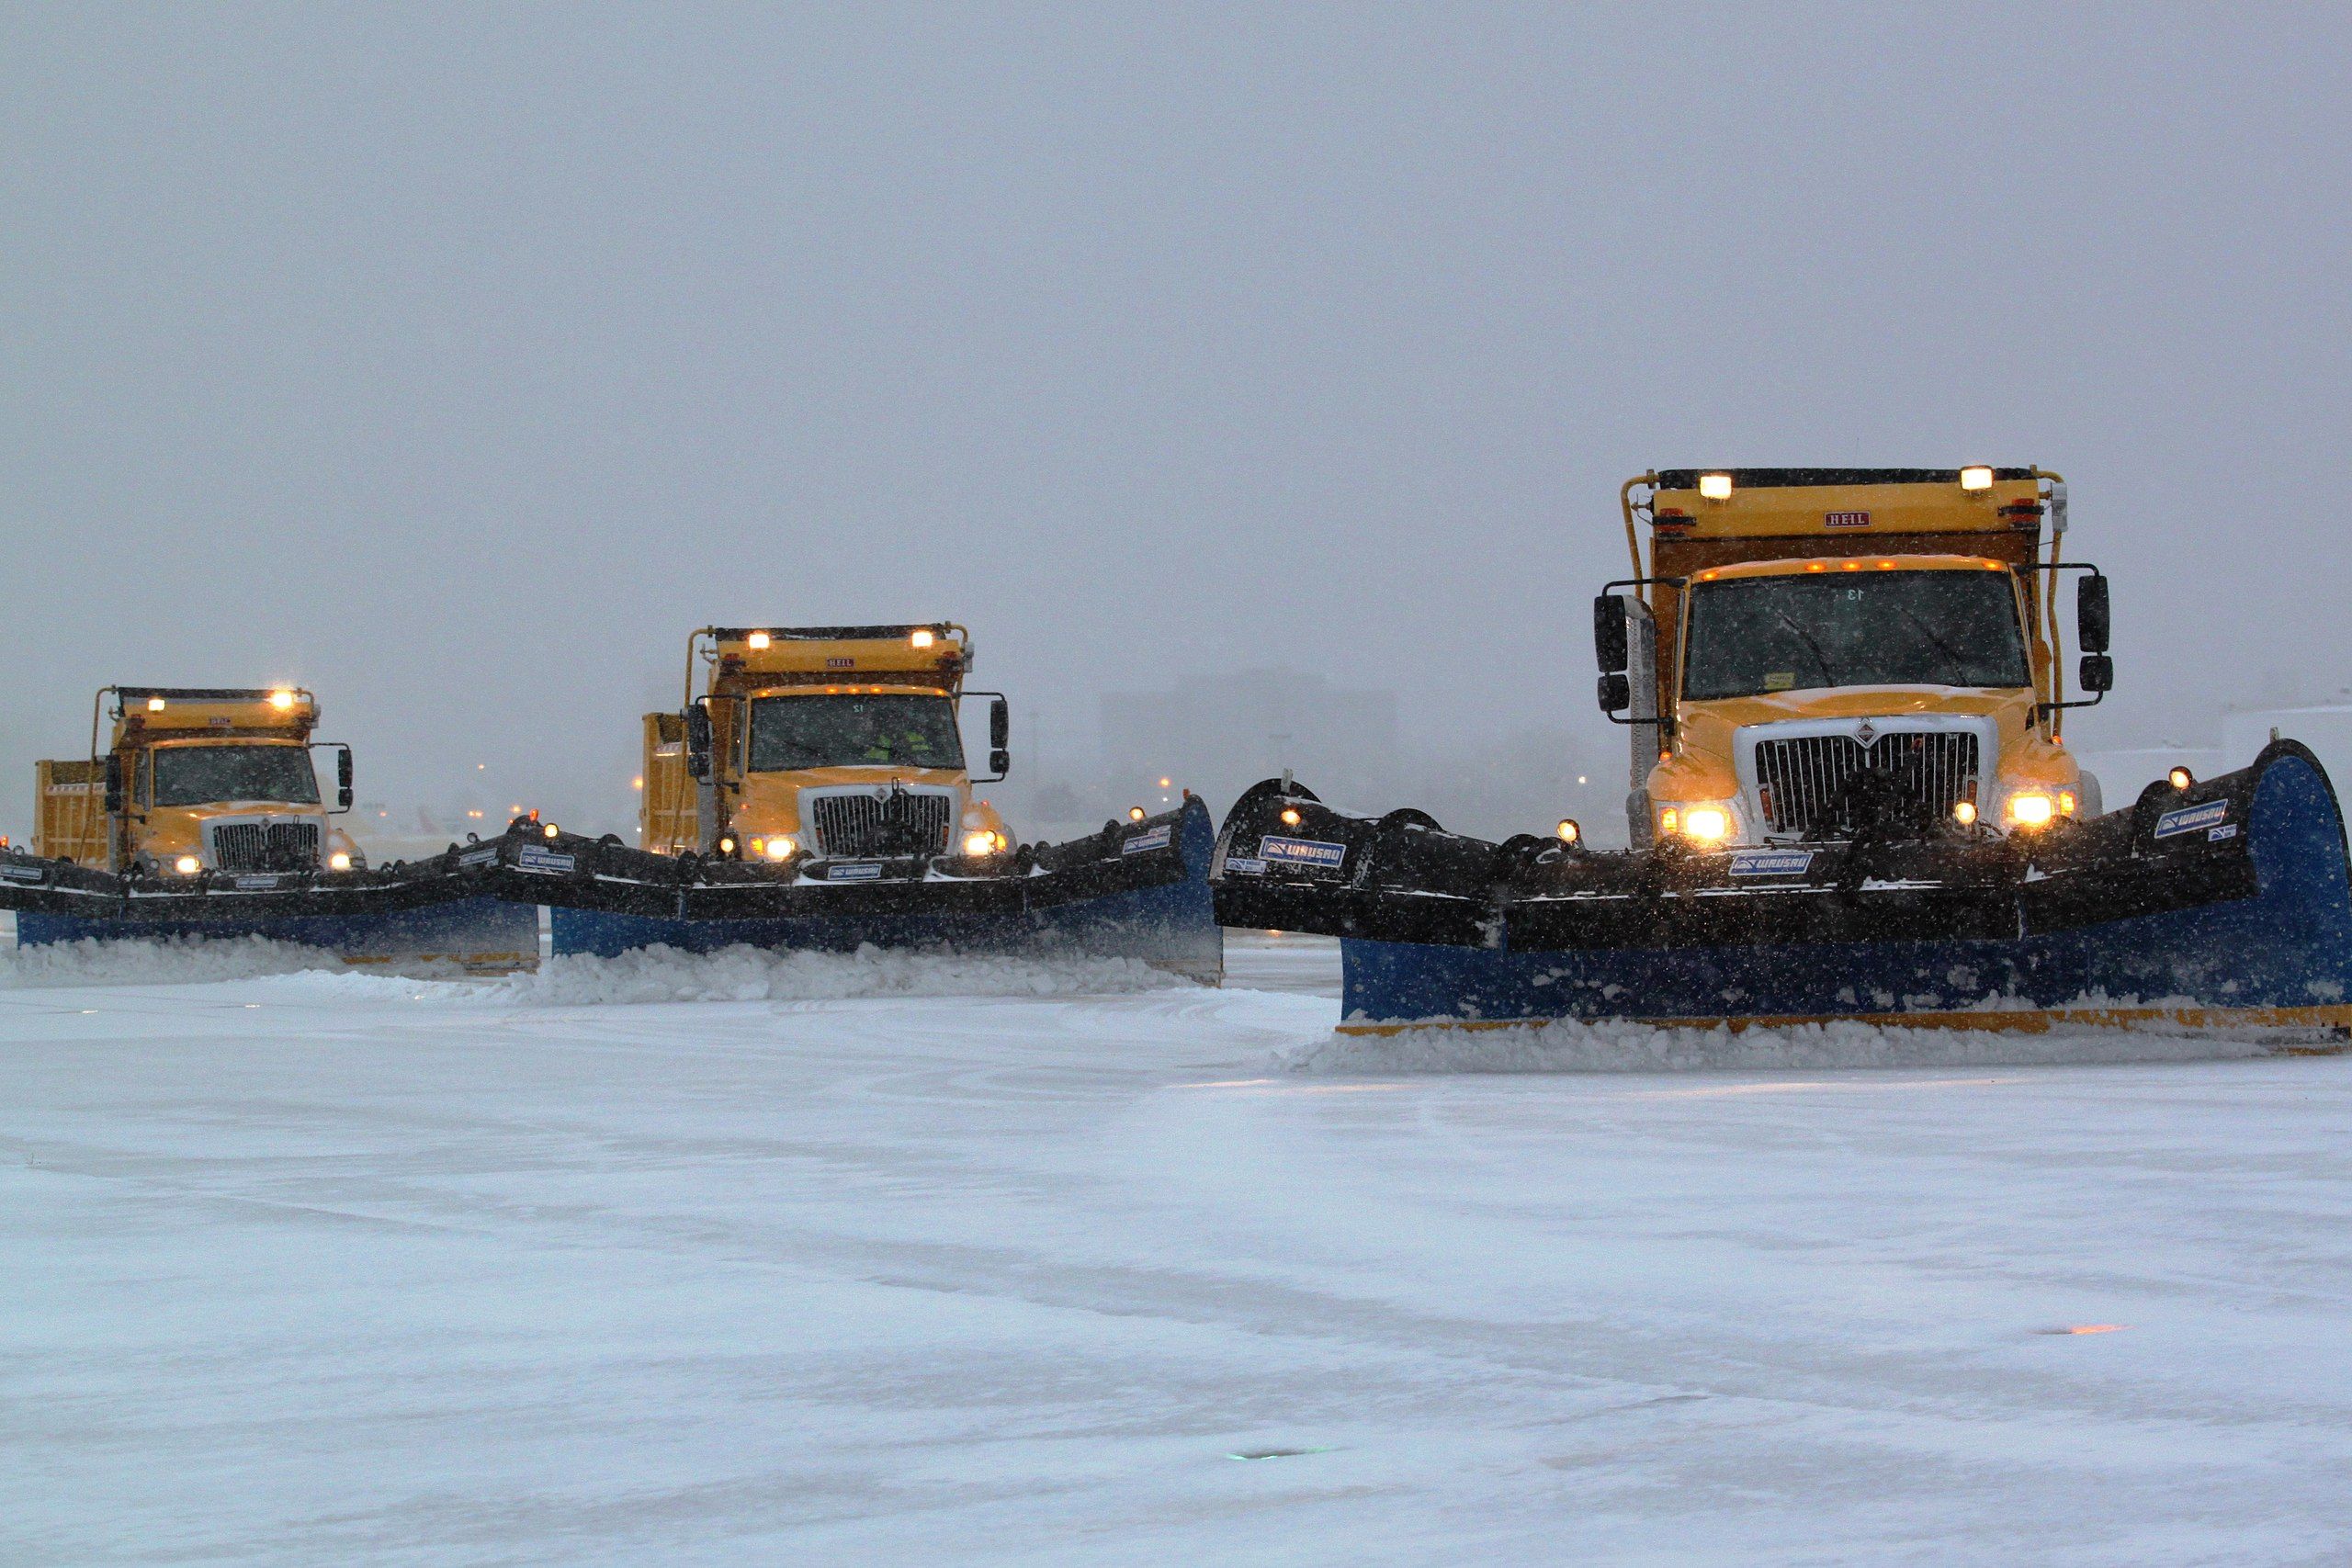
(777, 848)
(187, 865)
(1706, 824)
(980, 843)
(339, 861)
(2032, 808)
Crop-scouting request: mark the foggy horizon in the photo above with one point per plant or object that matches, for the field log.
(457, 363)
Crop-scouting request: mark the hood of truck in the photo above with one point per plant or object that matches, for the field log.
(1855, 702)
(1703, 765)
(770, 802)
(171, 830)
(784, 802)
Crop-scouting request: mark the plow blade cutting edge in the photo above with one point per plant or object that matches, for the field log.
(2224, 905)
(1135, 890)
(419, 916)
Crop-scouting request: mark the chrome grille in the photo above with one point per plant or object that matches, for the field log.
(265, 846)
(1802, 781)
(850, 825)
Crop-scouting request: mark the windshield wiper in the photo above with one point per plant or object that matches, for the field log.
(1803, 637)
(1957, 661)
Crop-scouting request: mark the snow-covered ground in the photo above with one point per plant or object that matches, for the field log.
(310, 1267)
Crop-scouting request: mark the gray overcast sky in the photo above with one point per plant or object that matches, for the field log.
(459, 361)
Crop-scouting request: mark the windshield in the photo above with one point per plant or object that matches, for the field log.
(1880, 628)
(792, 733)
(200, 775)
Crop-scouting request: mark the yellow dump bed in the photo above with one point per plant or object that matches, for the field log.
(145, 715)
(1860, 508)
(753, 658)
(70, 799)
(667, 823)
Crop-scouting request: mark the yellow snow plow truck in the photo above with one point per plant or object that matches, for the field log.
(202, 817)
(814, 794)
(1790, 618)
(197, 781)
(838, 743)
(1851, 798)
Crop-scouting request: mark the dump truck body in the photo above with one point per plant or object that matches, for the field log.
(70, 814)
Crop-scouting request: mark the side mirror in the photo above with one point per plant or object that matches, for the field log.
(698, 741)
(2091, 621)
(342, 779)
(999, 729)
(1000, 762)
(1610, 644)
(2097, 673)
(114, 784)
(1616, 692)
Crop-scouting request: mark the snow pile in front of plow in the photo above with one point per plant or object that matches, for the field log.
(648, 974)
(176, 961)
(1626, 1047)
(756, 975)
(743, 975)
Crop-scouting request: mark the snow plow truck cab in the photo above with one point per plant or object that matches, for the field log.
(824, 750)
(195, 781)
(1818, 654)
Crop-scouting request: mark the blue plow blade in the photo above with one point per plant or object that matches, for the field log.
(1172, 926)
(2279, 958)
(475, 934)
